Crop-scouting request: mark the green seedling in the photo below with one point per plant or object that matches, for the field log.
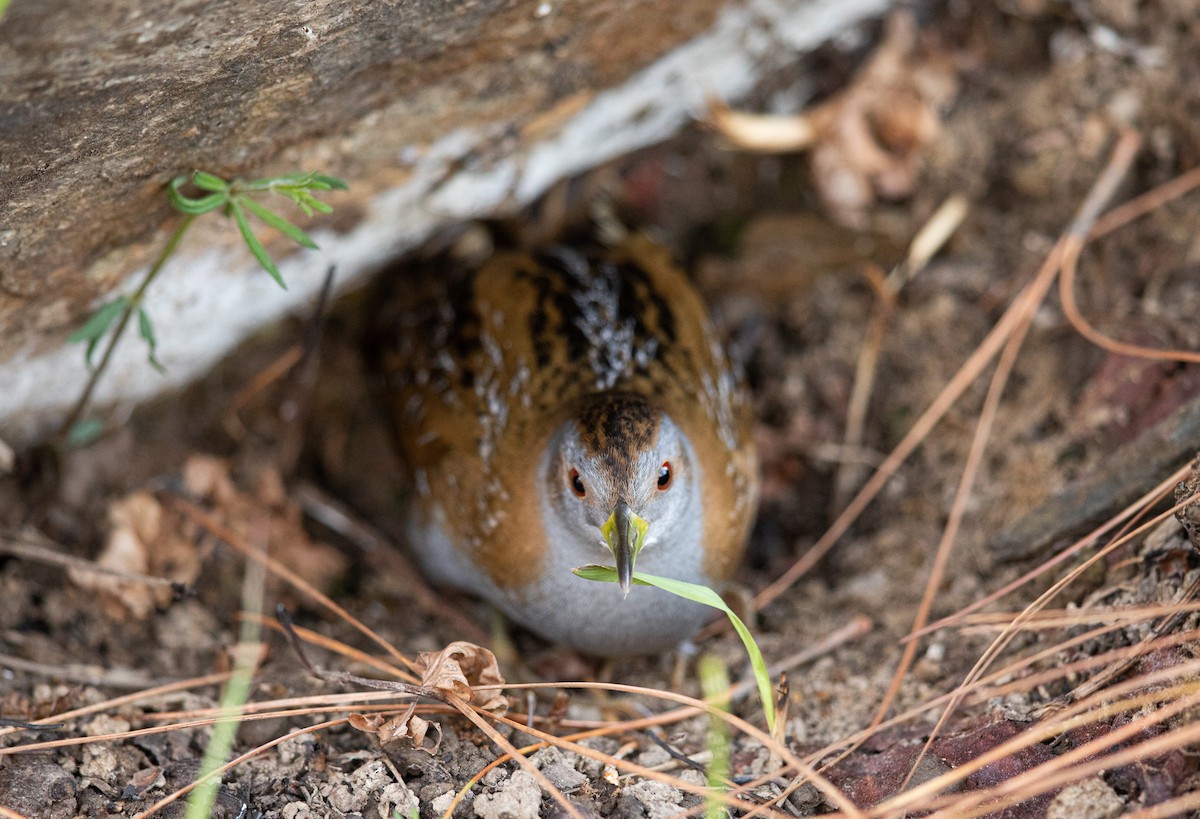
(236, 199)
(714, 682)
(706, 596)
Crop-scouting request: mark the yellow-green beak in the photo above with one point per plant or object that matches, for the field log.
(625, 534)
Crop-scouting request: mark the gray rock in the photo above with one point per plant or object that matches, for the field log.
(518, 797)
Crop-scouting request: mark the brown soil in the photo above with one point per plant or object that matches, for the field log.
(1044, 92)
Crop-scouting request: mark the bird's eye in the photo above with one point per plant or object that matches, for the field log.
(577, 484)
(664, 475)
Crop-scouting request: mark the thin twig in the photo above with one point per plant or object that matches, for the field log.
(303, 380)
(40, 549)
(848, 473)
(84, 673)
(958, 509)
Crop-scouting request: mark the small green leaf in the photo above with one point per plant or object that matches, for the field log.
(708, 597)
(306, 201)
(288, 180)
(296, 195)
(146, 331)
(328, 183)
(94, 328)
(85, 431)
(278, 222)
(301, 181)
(97, 325)
(301, 199)
(252, 242)
(209, 182)
(318, 182)
(195, 207)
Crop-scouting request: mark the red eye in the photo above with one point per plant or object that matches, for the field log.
(664, 475)
(577, 484)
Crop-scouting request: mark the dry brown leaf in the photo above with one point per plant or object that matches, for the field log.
(867, 141)
(458, 668)
(142, 781)
(209, 478)
(148, 538)
(145, 539)
(404, 726)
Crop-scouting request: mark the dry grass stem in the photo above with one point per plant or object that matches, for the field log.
(1041, 778)
(327, 511)
(1066, 291)
(338, 647)
(233, 763)
(238, 543)
(928, 240)
(1129, 513)
(135, 698)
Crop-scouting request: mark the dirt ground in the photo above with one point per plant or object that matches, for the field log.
(1043, 89)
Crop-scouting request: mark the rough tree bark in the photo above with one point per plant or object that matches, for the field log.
(102, 103)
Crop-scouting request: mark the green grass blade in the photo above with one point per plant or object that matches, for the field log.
(276, 221)
(255, 246)
(714, 683)
(233, 700)
(708, 597)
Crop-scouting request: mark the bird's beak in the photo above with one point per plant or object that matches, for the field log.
(625, 534)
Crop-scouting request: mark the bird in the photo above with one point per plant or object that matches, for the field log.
(568, 407)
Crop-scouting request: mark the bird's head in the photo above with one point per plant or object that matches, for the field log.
(619, 475)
